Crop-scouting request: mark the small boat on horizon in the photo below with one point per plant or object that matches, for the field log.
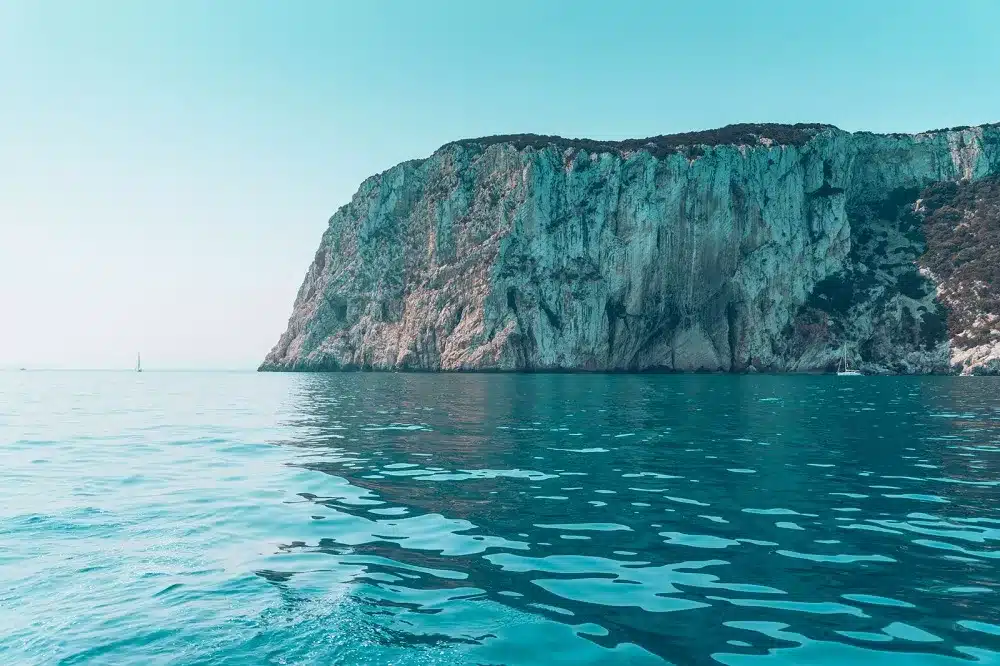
(138, 362)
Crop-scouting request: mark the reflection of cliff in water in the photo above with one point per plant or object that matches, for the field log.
(967, 433)
(441, 473)
(520, 424)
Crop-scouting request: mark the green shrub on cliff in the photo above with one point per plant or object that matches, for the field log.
(962, 227)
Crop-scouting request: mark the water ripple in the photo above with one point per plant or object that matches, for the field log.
(415, 519)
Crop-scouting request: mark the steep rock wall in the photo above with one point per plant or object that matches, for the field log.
(548, 254)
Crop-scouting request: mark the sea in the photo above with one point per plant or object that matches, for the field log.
(245, 518)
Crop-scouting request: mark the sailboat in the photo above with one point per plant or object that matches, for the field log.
(138, 362)
(846, 369)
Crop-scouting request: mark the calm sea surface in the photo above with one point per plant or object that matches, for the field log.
(238, 518)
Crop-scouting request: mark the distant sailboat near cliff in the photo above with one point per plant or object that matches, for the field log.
(138, 362)
(844, 369)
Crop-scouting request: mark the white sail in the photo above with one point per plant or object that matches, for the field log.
(846, 369)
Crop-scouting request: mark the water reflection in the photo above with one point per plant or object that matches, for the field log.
(623, 519)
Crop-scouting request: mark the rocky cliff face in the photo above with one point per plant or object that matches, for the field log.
(761, 247)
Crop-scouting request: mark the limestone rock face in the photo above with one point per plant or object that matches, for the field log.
(772, 251)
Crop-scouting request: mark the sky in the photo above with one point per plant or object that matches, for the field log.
(167, 167)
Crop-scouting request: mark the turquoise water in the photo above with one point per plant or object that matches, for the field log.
(237, 518)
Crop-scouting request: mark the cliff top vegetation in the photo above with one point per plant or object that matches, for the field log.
(690, 143)
(665, 144)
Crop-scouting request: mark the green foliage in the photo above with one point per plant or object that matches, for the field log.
(934, 327)
(898, 204)
(957, 128)
(493, 195)
(962, 227)
(691, 143)
(913, 285)
(694, 152)
(937, 195)
(837, 293)
(834, 294)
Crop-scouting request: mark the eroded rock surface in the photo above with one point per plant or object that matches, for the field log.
(752, 247)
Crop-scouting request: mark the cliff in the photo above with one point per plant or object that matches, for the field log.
(767, 247)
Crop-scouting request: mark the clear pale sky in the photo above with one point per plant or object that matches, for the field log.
(167, 167)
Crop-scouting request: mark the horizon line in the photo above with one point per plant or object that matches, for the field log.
(27, 368)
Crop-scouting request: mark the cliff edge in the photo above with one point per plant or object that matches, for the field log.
(751, 247)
